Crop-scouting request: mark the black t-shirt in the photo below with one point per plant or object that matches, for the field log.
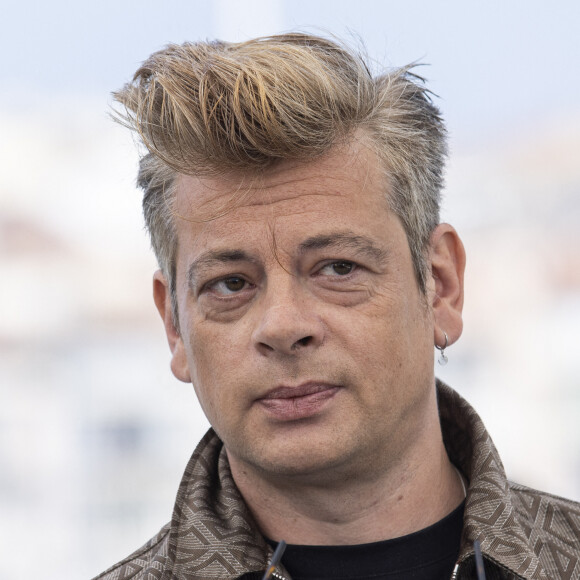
(429, 554)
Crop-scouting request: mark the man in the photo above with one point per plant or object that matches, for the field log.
(305, 279)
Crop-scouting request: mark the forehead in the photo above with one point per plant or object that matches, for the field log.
(351, 173)
(345, 191)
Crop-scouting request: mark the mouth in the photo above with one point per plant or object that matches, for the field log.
(287, 403)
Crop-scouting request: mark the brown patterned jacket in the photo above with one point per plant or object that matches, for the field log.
(523, 533)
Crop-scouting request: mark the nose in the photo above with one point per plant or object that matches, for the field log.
(288, 322)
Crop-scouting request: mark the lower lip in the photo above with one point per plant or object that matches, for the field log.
(294, 408)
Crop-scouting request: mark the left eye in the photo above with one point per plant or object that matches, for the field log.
(341, 268)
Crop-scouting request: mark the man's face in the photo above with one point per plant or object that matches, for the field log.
(302, 327)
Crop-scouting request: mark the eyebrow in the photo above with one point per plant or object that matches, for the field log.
(215, 258)
(344, 241)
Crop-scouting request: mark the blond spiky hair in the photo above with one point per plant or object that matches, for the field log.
(209, 107)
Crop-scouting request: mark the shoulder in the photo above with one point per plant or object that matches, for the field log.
(145, 563)
(551, 523)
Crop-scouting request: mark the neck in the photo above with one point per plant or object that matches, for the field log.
(412, 494)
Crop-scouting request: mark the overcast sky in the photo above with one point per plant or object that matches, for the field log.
(497, 66)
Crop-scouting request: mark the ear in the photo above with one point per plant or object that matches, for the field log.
(162, 297)
(447, 268)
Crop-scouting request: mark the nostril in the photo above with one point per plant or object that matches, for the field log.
(303, 341)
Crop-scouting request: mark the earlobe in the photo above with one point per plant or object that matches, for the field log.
(162, 298)
(447, 268)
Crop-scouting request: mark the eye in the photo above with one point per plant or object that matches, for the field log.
(230, 285)
(340, 268)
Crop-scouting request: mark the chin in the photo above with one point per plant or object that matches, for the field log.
(310, 450)
(304, 464)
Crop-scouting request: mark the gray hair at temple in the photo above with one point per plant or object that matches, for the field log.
(207, 108)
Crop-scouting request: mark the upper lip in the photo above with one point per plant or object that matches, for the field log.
(302, 390)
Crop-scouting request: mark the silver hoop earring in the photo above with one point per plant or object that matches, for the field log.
(442, 356)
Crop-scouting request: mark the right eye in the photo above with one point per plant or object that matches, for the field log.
(228, 286)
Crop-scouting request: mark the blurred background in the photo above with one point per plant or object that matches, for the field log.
(94, 431)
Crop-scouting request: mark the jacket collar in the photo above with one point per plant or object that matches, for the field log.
(490, 515)
(213, 535)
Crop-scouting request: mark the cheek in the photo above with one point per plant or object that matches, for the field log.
(388, 337)
(215, 366)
